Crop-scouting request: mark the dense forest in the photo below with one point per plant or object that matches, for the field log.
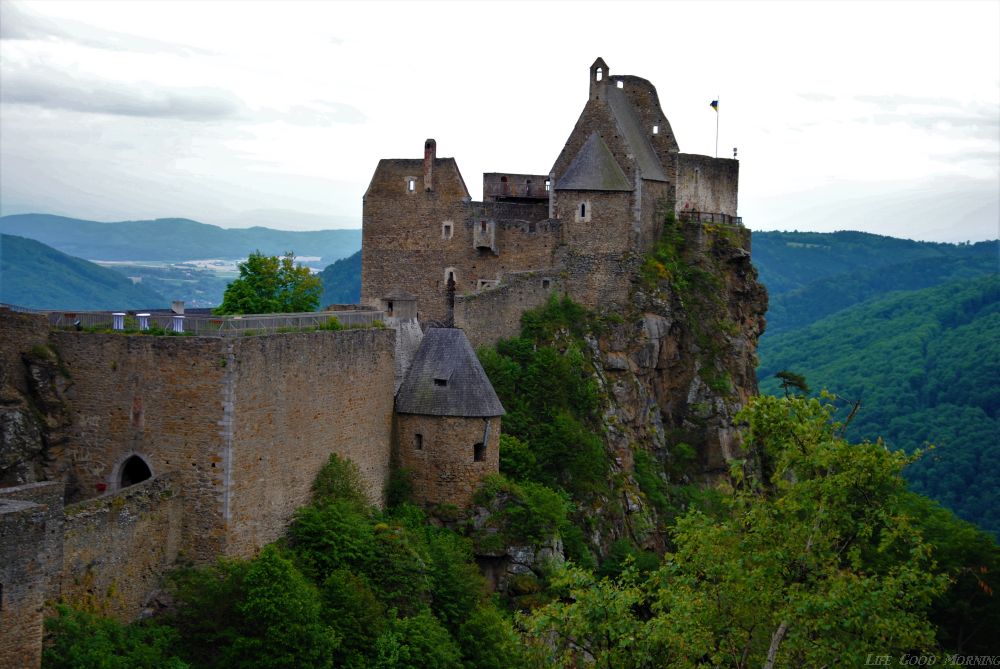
(924, 365)
(342, 281)
(38, 276)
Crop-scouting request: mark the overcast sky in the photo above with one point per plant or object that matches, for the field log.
(867, 116)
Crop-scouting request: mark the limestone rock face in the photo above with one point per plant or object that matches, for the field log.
(677, 367)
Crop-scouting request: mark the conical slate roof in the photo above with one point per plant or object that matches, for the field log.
(593, 168)
(446, 379)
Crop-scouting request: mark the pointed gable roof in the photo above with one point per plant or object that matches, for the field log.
(594, 168)
(446, 379)
(636, 137)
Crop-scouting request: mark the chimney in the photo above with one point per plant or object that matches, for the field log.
(430, 153)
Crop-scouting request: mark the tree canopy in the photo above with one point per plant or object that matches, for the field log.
(271, 284)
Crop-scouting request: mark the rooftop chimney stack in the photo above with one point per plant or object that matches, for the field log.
(430, 153)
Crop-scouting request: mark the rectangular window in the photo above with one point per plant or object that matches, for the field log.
(621, 84)
(656, 130)
(411, 185)
(446, 231)
(418, 441)
(441, 383)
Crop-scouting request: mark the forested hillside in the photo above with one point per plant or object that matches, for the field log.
(342, 281)
(37, 276)
(176, 239)
(925, 365)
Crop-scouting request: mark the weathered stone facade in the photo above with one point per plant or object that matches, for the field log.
(440, 453)
(587, 219)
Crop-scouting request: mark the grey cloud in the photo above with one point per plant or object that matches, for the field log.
(317, 112)
(16, 24)
(982, 124)
(57, 90)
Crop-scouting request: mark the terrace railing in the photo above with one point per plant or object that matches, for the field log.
(206, 325)
(706, 217)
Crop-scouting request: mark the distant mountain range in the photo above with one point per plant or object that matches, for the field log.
(37, 276)
(175, 239)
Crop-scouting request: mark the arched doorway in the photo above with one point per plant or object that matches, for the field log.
(134, 470)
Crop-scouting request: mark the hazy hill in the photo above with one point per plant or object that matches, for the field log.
(38, 276)
(791, 260)
(175, 239)
(342, 281)
(925, 365)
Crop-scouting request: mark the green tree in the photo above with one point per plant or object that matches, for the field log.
(80, 640)
(269, 284)
(813, 561)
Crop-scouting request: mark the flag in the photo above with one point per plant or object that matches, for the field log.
(715, 105)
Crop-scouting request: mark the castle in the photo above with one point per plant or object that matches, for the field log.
(579, 229)
(158, 450)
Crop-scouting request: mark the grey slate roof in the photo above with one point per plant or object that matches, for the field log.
(634, 134)
(446, 379)
(594, 168)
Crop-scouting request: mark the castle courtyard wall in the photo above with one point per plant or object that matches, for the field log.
(494, 314)
(117, 546)
(297, 398)
(161, 398)
(30, 559)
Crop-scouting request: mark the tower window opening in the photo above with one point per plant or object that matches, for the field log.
(478, 451)
(583, 210)
(418, 441)
(134, 470)
(411, 185)
(441, 383)
(621, 84)
(656, 130)
(482, 226)
(600, 74)
(446, 231)
(548, 185)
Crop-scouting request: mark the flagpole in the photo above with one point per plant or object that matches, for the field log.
(717, 128)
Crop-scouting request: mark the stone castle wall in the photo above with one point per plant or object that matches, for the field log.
(296, 399)
(707, 184)
(30, 560)
(441, 461)
(117, 546)
(412, 240)
(157, 397)
(491, 315)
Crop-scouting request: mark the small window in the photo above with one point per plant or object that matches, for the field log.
(583, 210)
(388, 307)
(548, 185)
(600, 74)
(503, 180)
(621, 84)
(656, 130)
(478, 451)
(418, 441)
(411, 185)
(482, 226)
(546, 283)
(446, 231)
(441, 383)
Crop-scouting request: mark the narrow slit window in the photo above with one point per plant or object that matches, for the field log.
(583, 210)
(411, 185)
(418, 441)
(600, 74)
(446, 231)
(482, 226)
(656, 130)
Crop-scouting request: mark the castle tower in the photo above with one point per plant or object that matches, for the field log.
(447, 420)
